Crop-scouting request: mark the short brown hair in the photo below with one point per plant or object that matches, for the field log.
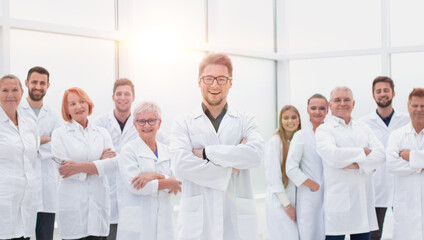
(416, 92)
(383, 79)
(65, 111)
(39, 70)
(122, 82)
(218, 59)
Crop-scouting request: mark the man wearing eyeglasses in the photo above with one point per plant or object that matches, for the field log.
(212, 151)
(350, 152)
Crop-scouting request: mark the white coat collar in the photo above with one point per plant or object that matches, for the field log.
(114, 122)
(3, 115)
(25, 105)
(336, 121)
(5, 118)
(146, 152)
(75, 126)
(198, 112)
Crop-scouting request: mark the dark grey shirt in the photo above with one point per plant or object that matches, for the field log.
(215, 121)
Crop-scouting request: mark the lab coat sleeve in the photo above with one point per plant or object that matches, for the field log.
(331, 154)
(416, 158)
(376, 156)
(58, 150)
(240, 156)
(129, 169)
(185, 165)
(294, 157)
(273, 159)
(396, 164)
(108, 165)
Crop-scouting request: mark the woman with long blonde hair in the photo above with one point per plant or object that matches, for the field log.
(281, 193)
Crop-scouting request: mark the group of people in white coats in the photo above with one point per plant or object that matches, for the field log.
(116, 172)
(334, 176)
(337, 176)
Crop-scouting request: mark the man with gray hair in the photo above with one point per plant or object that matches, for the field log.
(350, 152)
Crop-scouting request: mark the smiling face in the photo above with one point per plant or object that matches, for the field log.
(383, 94)
(146, 131)
(215, 94)
(78, 108)
(10, 94)
(290, 121)
(123, 98)
(317, 110)
(37, 86)
(342, 103)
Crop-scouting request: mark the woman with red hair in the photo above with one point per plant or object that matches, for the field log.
(85, 154)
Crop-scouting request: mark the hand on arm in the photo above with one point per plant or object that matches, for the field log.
(108, 153)
(243, 141)
(352, 166)
(141, 180)
(367, 151)
(45, 139)
(404, 154)
(69, 168)
(311, 185)
(172, 184)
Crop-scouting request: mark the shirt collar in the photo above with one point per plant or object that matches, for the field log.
(25, 104)
(199, 111)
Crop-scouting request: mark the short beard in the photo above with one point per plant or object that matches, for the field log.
(381, 105)
(210, 103)
(34, 98)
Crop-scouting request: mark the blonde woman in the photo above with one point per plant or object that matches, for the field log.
(281, 193)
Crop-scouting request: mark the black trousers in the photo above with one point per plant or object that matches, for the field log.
(381, 214)
(113, 229)
(45, 226)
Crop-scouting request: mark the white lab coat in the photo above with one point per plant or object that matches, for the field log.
(46, 121)
(349, 206)
(83, 201)
(303, 162)
(216, 204)
(280, 226)
(408, 205)
(383, 181)
(119, 138)
(18, 180)
(145, 214)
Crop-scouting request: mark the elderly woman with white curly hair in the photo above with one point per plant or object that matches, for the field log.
(145, 209)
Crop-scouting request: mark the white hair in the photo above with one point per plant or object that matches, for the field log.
(342, 88)
(145, 107)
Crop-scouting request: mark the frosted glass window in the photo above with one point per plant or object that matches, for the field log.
(332, 25)
(167, 22)
(170, 81)
(97, 14)
(407, 73)
(253, 91)
(322, 75)
(72, 62)
(407, 22)
(242, 24)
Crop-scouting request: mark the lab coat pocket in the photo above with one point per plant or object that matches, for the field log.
(246, 217)
(337, 202)
(198, 141)
(130, 219)
(190, 218)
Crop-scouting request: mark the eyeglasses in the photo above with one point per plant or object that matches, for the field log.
(221, 80)
(150, 121)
